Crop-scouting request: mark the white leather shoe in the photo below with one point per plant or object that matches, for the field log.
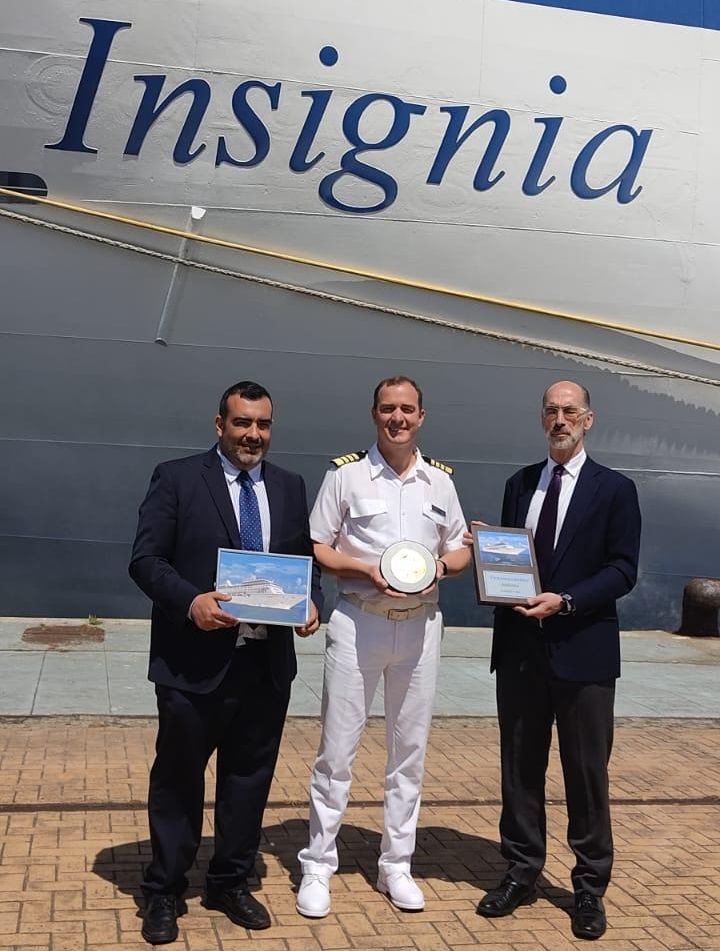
(402, 891)
(313, 898)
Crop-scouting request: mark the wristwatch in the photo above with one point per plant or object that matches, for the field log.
(445, 569)
(568, 605)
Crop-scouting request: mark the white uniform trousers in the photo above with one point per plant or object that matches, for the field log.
(362, 647)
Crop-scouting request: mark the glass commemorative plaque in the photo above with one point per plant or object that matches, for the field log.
(408, 567)
(506, 570)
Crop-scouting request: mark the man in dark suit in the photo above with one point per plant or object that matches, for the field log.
(219, 685)
(558, 658)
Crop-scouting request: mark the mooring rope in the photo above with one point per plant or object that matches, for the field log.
(441, 322)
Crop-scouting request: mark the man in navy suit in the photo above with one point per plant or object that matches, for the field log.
(219, 685)
(558, 658)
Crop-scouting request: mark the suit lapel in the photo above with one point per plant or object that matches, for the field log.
(587, 485)
(527, 490)
(217, 486)
(276, 501)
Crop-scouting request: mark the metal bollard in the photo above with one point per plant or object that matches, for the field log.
(701, 608)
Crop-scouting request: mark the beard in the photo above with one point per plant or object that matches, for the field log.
(245, 456)
(563, 440)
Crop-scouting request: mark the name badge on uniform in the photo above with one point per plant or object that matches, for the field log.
(438, 510)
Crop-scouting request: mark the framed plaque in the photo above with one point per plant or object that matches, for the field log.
(408, 567)
(265, 588)
(506, 570)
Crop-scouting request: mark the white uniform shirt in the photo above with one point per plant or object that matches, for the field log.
(259, 631)
(364, 507)
(567, 487)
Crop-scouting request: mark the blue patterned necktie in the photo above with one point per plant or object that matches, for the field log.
(250, 526)
(547, 526)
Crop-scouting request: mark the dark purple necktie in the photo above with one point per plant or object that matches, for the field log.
(547, 525)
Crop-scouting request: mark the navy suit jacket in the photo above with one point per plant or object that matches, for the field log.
(595, 561)
(186, 516)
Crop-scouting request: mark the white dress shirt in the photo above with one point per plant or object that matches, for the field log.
(567, 487)
(364, 507)
(259, 631)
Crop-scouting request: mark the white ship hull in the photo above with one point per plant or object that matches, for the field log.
(575, 232)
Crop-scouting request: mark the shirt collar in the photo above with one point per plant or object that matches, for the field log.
(232, 472)
(422, 468)
(377, 463)
(572, 467)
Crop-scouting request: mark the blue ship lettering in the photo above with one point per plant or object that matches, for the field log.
(196, 93)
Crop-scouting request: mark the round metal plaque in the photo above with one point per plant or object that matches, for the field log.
(408, 567)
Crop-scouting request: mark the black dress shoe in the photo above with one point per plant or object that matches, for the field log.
(505, 898)
(240, 907)
(588, 919)
(160, 918)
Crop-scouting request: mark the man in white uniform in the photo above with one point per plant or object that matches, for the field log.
(368, 501)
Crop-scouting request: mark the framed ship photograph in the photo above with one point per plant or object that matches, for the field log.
(506, 569)
(265, 588)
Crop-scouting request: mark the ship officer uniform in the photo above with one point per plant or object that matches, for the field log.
(362, 508)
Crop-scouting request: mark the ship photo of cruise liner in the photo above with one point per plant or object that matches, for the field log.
(486, 197)
(265, 588)
(501, 548)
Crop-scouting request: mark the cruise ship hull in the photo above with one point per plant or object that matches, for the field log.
(117, 340)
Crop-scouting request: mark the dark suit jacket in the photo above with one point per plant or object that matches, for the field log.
(186, 516)
(595, 561)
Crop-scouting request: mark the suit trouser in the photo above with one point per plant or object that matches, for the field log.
(529, 699)
(243, 720)
(361, 648)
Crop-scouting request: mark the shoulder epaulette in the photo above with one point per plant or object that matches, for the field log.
(349, 457)
(442, 466)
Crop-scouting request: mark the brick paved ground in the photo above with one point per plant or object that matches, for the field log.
(73, 839)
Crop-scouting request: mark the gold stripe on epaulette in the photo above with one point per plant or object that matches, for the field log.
(442, 466)
(349, 457)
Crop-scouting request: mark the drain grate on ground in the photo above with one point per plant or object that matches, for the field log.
(60, 636)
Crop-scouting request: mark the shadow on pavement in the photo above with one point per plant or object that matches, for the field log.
(442, 853)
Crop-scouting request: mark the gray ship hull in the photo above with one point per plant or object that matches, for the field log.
(470, 152)
(92, 403)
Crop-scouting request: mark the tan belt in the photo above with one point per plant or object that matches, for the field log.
(390, 614)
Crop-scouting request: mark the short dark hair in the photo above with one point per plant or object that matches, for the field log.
(247, 390)
(396, 381)
(585, 392)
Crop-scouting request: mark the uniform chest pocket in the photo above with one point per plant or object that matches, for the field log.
(436, 513)
(366, 508)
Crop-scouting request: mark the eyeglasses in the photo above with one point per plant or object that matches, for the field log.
(571, 413)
